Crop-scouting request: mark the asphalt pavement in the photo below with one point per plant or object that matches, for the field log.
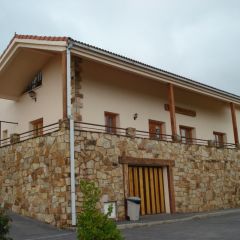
(24, 228)
(225, 226)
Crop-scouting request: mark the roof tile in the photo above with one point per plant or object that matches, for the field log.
(34, 37)
(123, 58)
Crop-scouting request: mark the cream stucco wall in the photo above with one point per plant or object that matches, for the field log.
(212, 115)
(238, 118)
(48, 105)
(109, 89)
(7, 113)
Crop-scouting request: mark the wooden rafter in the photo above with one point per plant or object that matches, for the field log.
(234, 123)
(172, 109)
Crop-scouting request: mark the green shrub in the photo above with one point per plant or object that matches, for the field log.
(92, 223)
(4, 225)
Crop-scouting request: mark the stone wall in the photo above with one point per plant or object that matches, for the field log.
(34, 178)
(76, 95)
(35, 174)
(204, 178)
(97, 159)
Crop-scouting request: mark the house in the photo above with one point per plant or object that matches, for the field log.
(71, 111)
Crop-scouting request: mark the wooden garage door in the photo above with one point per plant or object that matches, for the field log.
(147, 183)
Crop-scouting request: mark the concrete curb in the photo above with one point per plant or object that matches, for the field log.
(197, 216)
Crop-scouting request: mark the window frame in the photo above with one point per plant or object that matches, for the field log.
(153, 134)
(37, 130)
(4, 134)
(115, 123)
(222, 135)
(187, 139)
(4, 137)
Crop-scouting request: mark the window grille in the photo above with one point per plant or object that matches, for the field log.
(36, 82)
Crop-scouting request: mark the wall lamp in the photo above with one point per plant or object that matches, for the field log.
(135, 116)
(33, 95)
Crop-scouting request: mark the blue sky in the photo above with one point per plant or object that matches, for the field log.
(198, 39)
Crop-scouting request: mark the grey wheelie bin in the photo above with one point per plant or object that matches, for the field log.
(133, 208)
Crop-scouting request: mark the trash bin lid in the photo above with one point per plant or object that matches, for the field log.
(136, 200)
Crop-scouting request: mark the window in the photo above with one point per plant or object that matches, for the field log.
(186, 134)
(36, 82)
(4, 134)
(37, 125)
(111, 120)
(220, 138)
(3, 137)
(156, 129)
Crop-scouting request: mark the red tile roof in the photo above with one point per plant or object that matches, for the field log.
(34, 37)
(46, 38)
(181, 79)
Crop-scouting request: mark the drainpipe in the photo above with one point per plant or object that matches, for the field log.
(71, 135)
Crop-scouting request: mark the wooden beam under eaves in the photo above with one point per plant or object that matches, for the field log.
(64, 83)
(234, 123)
(171, 102)
(183, 111)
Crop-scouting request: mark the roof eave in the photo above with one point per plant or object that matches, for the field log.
(40, 50)
(30, 43)
(162, 75)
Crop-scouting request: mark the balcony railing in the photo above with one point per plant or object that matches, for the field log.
(15, 138)
(97, 128)
(127, 132)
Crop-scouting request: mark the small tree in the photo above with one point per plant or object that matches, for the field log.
(4, 225)
(92, 223)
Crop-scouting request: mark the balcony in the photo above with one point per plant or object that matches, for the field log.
(134, 133)
(126, 132)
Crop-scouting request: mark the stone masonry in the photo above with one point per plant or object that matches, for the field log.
(35, 174)
(204, 178)
(76, 95)
(35, 178)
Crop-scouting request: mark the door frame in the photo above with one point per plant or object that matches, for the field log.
(167, 166)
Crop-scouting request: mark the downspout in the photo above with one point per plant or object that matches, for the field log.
(71, 135)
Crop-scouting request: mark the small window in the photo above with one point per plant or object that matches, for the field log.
(37, 126)
(111, 120)
(4, 134)
(36, 82)
(156, 129)
(220, 138)
(186, 134)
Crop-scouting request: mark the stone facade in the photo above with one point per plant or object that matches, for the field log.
(34, 178)
(97, 159)
(76, 95)
(204, 178)
(35, 174)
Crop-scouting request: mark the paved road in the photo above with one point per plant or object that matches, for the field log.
(221, 228)
(24, 228)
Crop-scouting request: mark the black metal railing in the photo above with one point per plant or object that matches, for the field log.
(98, 128)
(39, 132)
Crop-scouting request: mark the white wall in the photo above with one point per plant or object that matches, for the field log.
(108, 89)
(7, 113)
(212, 115)
(48, 105)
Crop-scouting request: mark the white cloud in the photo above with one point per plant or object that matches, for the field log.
(195, 38)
